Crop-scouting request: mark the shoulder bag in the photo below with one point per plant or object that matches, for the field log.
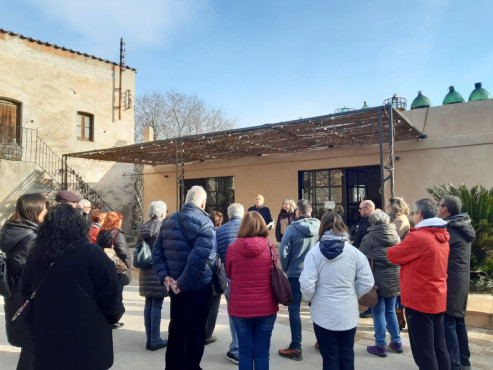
(143, 255)
(110, 252)
(219, 280)
(281, 288)
(6, 281)
(370, 299)
(21, 316)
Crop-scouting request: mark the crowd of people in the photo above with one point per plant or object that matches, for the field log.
(57, 256)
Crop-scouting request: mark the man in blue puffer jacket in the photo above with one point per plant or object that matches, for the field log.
(179, 257)
(225, 236)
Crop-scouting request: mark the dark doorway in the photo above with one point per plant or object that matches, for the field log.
(346, 187)
(220, 193)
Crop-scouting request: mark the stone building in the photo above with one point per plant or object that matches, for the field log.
(54, 101)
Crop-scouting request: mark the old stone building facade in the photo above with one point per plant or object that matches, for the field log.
(70, 101)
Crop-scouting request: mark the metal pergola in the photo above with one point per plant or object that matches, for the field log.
(378, 125)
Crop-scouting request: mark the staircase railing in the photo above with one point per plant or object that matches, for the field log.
(24, 144)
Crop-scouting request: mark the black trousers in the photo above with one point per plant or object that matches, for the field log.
(336, 348)
(186, 332)
(427, 337)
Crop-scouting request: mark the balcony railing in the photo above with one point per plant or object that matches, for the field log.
(24, 144)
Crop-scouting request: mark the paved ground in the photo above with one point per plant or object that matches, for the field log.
(130, 353)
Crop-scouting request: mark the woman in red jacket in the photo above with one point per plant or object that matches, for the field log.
(252, 306)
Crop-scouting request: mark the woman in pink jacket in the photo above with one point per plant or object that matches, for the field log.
(252, 306)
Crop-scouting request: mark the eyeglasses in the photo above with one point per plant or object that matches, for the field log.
(362, 208)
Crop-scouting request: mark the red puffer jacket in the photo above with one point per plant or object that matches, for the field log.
(248, 263)
(423, 257)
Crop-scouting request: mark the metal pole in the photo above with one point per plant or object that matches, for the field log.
(182, 176)
(382, 173)
(391, 152)
(177, 178)
(120, 89)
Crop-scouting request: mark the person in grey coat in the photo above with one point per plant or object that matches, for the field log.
(382, 235)
(458, 274)
(298, 239)
(150, 286)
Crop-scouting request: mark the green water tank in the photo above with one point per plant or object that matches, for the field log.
(479, 93)
(420, 101)
(452, 97)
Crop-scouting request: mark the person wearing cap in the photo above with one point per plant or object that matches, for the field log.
(66, 196)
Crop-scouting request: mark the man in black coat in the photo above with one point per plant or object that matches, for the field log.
(263, 210)
(358, 231)
(461, 234)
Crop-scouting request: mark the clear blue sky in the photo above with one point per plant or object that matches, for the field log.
(278, 60)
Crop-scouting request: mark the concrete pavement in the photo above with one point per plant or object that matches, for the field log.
(130, 352)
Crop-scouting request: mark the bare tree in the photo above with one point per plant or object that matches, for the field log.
(175, 114)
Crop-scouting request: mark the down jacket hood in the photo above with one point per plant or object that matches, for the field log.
(149, 229)
(250, 247)
(332, 245)
(463, 224)
(308, 227)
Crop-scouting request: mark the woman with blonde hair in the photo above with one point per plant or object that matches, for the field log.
(111, 236)
(398, 211)
(253, 311)
(335, 275)
(286, 216)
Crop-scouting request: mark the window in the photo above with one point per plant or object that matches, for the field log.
(85, 126)
(323, 186)
(220, 193)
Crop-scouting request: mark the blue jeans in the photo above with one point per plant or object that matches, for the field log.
(384, 313)
(457, 341)
(233, 347)
(336, 348)
(294, 313)
(254, 335)
(152, 319)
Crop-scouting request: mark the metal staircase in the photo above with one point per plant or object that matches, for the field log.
(24, 144)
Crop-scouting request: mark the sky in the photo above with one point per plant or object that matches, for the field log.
(277, 60)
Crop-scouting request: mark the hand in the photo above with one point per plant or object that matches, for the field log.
(169, 282)
(175, 289)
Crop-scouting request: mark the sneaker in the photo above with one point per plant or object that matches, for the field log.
(380, 351)
(232, 357)
(293, 354)
(366, 315)
(396, 347)
(210, 340)
(118, 325)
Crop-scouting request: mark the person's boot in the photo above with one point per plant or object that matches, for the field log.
(400, 318)
(156, 341)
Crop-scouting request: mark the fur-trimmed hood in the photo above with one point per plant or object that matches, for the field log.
(462, 222)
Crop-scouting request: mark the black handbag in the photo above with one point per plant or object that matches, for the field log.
(219, 279)
(281, 288)
(143, 255)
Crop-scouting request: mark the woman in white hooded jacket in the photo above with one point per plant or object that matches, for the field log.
(335, 275)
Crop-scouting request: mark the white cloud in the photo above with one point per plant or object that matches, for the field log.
(141, 22)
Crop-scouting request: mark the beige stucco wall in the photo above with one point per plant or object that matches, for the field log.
(52, 86)
(457, 150)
